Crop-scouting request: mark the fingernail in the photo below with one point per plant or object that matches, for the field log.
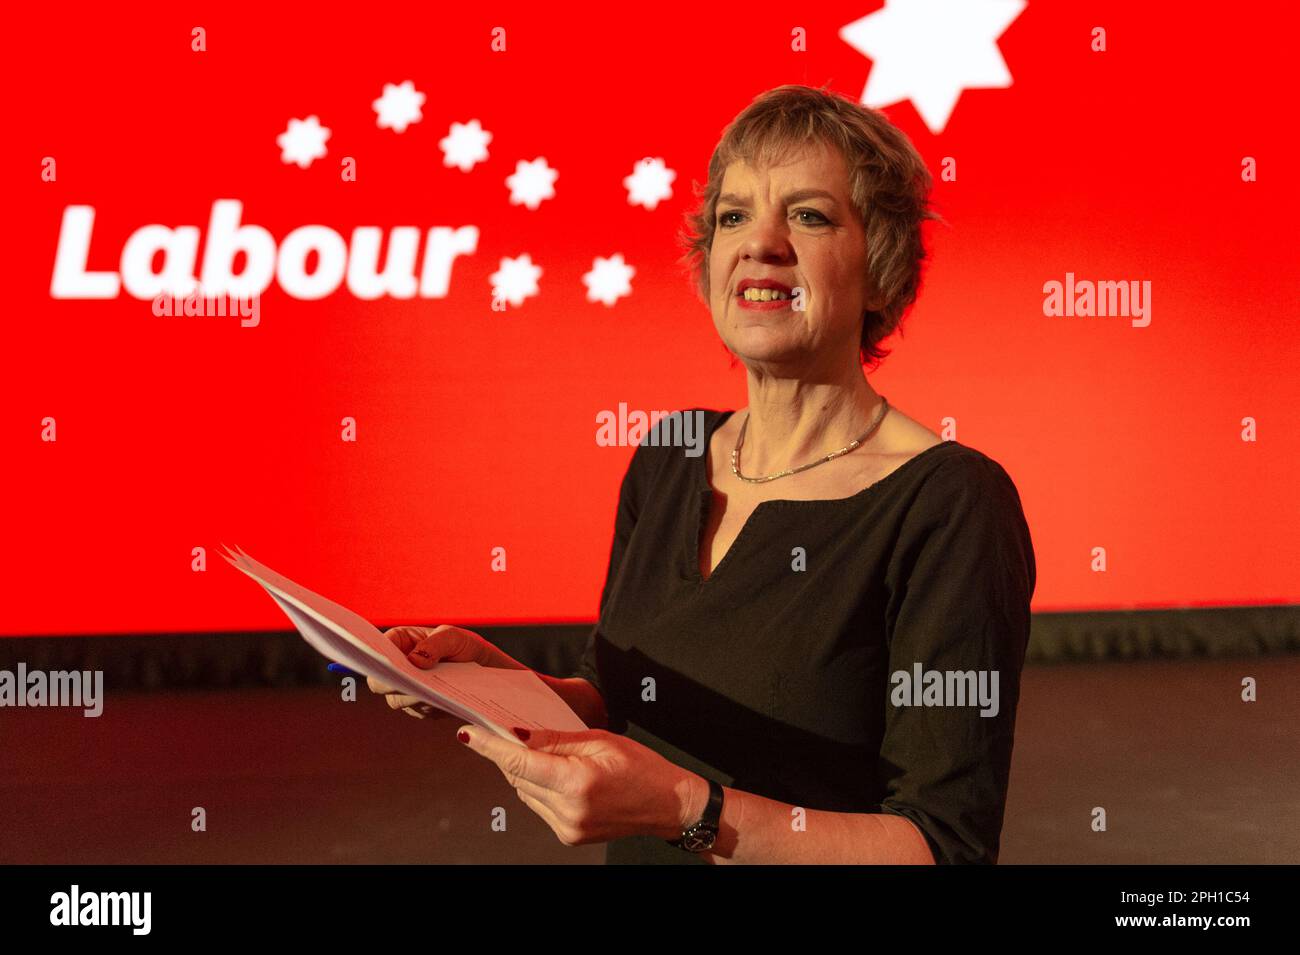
(522, 733)
(422, 655)
(463, 737)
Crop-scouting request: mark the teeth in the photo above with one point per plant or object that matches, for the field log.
(763, 294)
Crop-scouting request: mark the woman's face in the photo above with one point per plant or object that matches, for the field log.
(794, 224)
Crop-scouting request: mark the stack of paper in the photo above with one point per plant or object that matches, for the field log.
(494, 698)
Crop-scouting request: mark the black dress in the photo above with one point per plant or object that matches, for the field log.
(775, 675)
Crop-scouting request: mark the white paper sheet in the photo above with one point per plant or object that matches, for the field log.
(494, 698)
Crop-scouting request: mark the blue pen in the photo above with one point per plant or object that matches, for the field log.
(340, 668)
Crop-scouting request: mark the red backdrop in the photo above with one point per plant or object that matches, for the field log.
(476, 428)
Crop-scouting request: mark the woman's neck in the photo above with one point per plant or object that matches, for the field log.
(795, 420)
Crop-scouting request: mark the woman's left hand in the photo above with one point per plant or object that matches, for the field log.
(593, 785)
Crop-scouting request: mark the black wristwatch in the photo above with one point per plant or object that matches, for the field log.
(700, 836)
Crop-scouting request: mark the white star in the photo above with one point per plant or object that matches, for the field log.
(928, 51)
(649, 183)
(515, 280)
(531, 183)
(609, 280)
(465, 145)
(399, 107)
(302, 142)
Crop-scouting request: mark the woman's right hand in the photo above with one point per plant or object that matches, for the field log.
(426, 646)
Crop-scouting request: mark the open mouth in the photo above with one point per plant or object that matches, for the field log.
(754, 294)
(763, 294)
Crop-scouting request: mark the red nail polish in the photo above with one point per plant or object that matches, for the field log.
(522, 733)
(463, 737)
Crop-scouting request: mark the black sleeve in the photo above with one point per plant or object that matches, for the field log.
(960, 584)
(624, 521)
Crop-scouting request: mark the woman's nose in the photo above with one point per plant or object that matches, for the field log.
(768, 240)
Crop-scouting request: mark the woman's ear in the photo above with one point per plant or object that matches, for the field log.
(874, 301)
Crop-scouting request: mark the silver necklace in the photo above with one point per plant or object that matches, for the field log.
(740, 440)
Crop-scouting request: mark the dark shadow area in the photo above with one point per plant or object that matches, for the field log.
(1186, 771)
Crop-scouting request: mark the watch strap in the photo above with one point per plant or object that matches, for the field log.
(700, 836)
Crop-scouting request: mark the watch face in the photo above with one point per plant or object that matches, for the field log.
(699, 839)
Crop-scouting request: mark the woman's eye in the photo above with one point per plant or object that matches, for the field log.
(725, 220)
(820, 219)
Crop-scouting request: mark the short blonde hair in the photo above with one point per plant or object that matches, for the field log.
(889, 184)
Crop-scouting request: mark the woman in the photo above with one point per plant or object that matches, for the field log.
(811, 638)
